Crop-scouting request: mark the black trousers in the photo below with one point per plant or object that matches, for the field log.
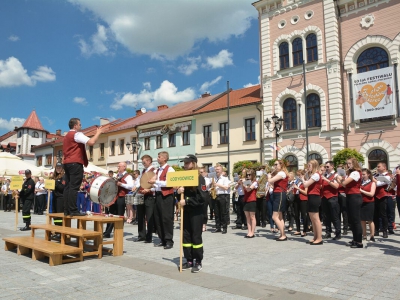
(222, 211)
(73, 180)
(304, 215)
(41, 203)
(343, 210)
(164, 218)
(146, 212)
(354, 202)
(380, 212)
(331, 210)
(205, 208)
(117, 208)
(58, 207)
(296, 208)
(212, 207)
(240, 216)
(26, 210)
(261, 211)
(390, 211)
(6, 202)
(192, 230)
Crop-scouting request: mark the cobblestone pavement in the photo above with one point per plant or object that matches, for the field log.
(233, 268)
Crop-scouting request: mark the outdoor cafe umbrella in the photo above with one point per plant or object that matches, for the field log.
(11, 165)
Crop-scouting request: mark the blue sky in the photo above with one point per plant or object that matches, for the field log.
(103, 58)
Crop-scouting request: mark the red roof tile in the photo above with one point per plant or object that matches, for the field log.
(245, 96)
(33, 122)
(7, 135)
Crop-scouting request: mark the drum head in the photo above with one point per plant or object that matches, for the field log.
(145, 178)
(107, 190)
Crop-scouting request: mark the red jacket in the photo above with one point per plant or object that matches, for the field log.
(163, 177)
(74, 152)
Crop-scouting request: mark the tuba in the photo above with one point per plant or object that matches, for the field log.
(262, 182)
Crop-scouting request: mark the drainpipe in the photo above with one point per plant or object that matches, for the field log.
(261, 135)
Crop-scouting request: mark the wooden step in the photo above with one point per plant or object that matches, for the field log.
(67, 230)
(41, 248)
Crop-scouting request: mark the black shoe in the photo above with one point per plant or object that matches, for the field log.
(77, 214)
(106, 235)
(372, 239)
(197, 268)
(263, 225)
(391, 231)
(357, 245)
(160, 245)
(281, 240)
(351, 243)
(385, 234)
(66, 213)
(326, 236)
(169, 246)
(26, 228)
(319, 243)
(244, 227)
(337, 237)
(148, 241)
(238, 227)
(40, 214)
(224, 231)
(217, 230)
(56, 237)
(187, 266)
(140, 240)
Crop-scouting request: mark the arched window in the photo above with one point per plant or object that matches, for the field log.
(297, 48)
(376, 156)
(372, 59)
(35, 134)
(312, 49)
(20, 134)
(290, 114)
(313, 111)
(293, 163)
(284, 55)
(315, 156)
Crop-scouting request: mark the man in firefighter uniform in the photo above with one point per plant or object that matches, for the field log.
(194, 198)
(125, 184)
(27, 194)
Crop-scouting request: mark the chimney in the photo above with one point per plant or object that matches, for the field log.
(206, 94)
(15, 128)
(104, 121)
(139, 113)
(58, 132)
(161, 107)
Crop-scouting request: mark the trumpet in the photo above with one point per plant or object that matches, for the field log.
(391, 185)
(213, 191)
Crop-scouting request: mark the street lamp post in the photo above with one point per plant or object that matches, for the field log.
(277, 126)
(135, 148)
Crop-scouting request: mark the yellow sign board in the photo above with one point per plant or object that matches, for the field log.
(16, 182)
(183, 178)
(49, 184)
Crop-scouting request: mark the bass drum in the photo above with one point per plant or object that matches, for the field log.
(103, 190)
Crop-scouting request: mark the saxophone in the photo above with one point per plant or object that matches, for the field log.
(213, 191)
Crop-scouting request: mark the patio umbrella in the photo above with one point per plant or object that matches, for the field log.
(11, 165)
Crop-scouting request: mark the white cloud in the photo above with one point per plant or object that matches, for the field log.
(252, 84)
(167, 94)
(147, 85)
(12, 73)
(168, 29)
(13, 38)
(222, 59)
(252, 61)
(50, 121)
(99, 43)
(150, 70)
(206, 85)
(11, 124)
(80, 100)
(191, 66)
(44, 73)
(108, 92)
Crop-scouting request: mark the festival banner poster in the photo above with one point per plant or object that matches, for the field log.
(373, 94)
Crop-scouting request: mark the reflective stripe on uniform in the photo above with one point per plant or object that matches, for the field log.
(26, 216)
(187, 245)
(197, 246)
(58, 221)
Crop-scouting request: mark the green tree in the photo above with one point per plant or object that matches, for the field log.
(346, 153)
(177, 168)
(245, 164)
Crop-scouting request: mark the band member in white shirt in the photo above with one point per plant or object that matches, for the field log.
(7, 194)
(164, 212)
(207, 202)
(222, 186)
(381, 201)
(40, 198)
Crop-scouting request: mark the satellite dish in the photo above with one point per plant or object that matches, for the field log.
(143, 110)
